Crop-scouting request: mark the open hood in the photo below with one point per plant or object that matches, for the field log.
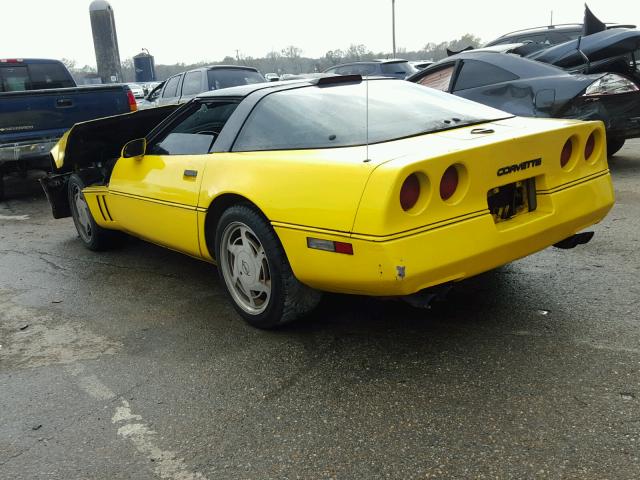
(596, 47)
(101, 140)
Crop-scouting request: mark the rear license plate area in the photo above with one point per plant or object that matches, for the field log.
(513, 199)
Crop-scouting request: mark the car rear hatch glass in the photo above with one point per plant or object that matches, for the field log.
(232, 77)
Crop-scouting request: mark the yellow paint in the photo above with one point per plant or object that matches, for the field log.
(334, 194)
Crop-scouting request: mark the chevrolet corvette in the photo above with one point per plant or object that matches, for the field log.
(373, 187)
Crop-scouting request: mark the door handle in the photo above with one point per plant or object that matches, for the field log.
(64, 103)
(190, 173)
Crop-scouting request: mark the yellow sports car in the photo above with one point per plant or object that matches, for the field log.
(374, 187)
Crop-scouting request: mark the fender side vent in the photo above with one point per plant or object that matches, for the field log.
(104, 210)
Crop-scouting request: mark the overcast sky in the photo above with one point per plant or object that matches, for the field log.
(192, 30)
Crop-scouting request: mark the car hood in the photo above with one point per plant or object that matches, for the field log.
(101, 140)
(598, 46)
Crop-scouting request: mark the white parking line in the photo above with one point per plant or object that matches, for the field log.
(167, 464)
(14, 217)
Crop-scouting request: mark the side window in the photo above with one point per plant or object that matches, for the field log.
(171, 88)
(196, 131)
(537, 38)
(330, 70)
(554, 38)
(192, 83)
(347, 70)
(476, 74)
(367, 69)
(439, 79)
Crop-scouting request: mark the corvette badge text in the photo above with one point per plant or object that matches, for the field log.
(519, 166)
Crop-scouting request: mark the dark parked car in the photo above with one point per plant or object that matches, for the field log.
(548, 36)
(396, 68)
(534, 89)
(616, 50)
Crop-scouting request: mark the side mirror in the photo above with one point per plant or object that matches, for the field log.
(135, 148)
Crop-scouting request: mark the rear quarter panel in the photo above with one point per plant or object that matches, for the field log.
(311, 188)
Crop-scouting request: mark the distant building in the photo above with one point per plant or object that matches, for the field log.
(105, 41)
(144, 66)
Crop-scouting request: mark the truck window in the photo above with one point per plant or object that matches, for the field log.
(49, 75)
(36, 76)
(192, 83)
(14, 79)
(171, 89)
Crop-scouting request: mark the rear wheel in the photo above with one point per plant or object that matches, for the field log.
(92, 235)
(614, 145)
(255, 271)
(1, 186)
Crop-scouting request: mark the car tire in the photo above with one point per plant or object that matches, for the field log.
(614, 145)
(255, 271)
(1, 186)
(91, 234)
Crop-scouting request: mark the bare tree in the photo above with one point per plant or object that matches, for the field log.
(70, 64)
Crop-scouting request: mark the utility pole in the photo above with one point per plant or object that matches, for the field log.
(551, 18)
(393, 25)
(237, 55)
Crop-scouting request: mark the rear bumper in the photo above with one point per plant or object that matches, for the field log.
(26, 150)
(620, 113)
(441, 254)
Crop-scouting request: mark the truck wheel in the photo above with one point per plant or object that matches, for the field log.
(92, 235)
(255, 271)
(614, 145)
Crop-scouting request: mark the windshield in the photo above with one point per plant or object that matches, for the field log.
(335, 115)
(232, 77)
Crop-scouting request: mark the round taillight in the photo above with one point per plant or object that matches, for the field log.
(590, 146)
(410, 192)
(567, 151)
(449, 183)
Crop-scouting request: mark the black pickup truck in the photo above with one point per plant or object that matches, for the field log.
(39, 101)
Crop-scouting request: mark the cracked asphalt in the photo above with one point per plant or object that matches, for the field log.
(132, 365)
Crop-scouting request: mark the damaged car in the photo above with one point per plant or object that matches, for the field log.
(534, 89)
(338, 184)
(609, 51)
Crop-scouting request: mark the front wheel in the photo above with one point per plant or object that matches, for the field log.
(92, 235)
(255, 270)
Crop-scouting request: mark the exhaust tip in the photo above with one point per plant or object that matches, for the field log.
(425, 298)
(574, 240)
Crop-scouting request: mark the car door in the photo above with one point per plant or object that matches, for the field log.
(191, 85)
(169, 93)
(155, 196)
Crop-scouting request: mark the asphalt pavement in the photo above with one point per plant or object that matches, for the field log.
(131, 364)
